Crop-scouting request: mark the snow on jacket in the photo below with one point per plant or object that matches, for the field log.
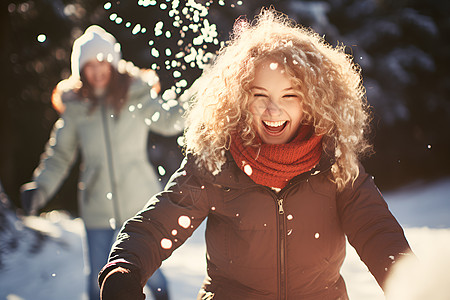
(262, 244)
(113, 152)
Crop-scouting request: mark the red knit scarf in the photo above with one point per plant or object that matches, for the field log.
(273, 165)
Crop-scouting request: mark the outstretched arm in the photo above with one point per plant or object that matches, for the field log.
(162, 112)
(370, 227)
(150, 237)
(59, 156)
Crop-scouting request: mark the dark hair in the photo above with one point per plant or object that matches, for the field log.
(116, 92)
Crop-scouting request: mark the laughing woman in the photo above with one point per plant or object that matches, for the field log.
(273, 144)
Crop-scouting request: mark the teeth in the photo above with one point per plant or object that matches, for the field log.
(274, 123)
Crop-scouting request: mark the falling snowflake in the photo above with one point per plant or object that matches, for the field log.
(166, 243)
(273, 66)
(182, 38)
(184, 221)
(248, 170)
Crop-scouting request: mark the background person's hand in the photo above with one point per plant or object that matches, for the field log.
(31, 198)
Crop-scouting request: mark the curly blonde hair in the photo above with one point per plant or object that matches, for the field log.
(329, 82)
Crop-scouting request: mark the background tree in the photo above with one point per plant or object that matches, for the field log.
(402, 47)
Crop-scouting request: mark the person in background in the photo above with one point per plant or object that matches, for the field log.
(273, 141)
(107, 108)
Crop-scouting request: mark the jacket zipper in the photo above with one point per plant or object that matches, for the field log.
(112, 176)
(282, 249)
(279, 199)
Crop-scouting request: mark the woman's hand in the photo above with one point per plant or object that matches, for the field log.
(121, 284)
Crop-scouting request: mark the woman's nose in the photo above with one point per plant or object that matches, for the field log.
(272, 108)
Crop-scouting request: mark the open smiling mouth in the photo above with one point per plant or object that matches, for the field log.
(274, 127)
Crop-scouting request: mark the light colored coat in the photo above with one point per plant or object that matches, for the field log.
(116, 178)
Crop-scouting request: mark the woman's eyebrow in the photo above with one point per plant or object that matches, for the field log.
(288, 89)
(257, 87)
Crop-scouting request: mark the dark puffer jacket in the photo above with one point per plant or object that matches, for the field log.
(262, 244)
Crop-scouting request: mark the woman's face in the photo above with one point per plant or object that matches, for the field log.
(97, 73)
(276, 106)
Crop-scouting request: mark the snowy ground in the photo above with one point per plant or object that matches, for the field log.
(57, 270)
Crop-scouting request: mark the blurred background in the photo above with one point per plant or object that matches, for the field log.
(403, 47)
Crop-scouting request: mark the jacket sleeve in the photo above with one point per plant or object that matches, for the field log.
(163, 116)
(370, 227)
(59, 156)
(168, 219)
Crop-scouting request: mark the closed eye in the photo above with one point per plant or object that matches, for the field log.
(259, 95)
(291, 96)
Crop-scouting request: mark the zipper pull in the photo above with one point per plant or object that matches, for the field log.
(280, 206)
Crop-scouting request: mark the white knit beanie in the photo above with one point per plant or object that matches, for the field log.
(95, 43)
